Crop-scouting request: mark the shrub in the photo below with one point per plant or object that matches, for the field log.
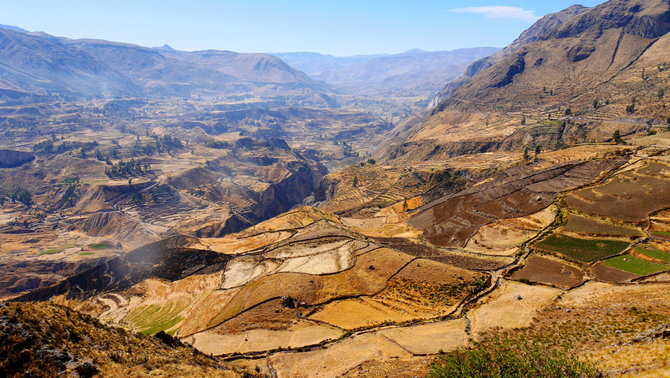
(22, 195)
(500, 357)
(616, 136)
(630, 109)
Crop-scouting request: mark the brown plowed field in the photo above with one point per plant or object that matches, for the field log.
(516, 192)
(549, 271)
(605, 273)
(630, 196)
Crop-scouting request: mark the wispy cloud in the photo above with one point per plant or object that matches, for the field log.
(500, 11)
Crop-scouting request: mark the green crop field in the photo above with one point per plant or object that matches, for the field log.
(152, 319)
(586, 250)
(636, 265)
(103, 245)
(662, 234)
(653, 253)
(53, 250)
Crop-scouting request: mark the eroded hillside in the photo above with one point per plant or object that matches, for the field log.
(576, 76)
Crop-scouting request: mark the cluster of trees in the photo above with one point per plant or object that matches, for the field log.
(19, 194)
(49, 147)
(68, 198)
(536, 152)
(160, 144)
(125, 169)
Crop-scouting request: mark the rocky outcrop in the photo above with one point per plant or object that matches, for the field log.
(168, 259)
(13, 159)
(292, 190)
(516, 68)
(431, 150)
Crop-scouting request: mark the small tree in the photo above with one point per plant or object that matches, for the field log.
(22, 195)
(661, 93)
(523, 120)
(568, 111)
(596, 104)
(630, 109)
(538, 149)
(617, 137)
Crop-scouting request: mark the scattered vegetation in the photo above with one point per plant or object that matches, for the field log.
(49, 147)
(432, 295)
(160, 144)
(503, 357)
(45, 340)
(22, 195)
(125, 169)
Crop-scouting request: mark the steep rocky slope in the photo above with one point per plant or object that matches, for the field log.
(575, 76)
(45, 340)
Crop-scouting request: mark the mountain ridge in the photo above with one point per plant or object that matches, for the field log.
(41, 64)
(546, 72)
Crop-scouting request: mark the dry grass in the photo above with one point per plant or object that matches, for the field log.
(35, 336)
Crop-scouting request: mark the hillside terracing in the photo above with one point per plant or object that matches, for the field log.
(309, 291)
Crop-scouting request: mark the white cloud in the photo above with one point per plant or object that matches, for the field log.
(500, 11)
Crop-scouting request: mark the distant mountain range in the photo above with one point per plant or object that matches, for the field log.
(422, 72)
(41, 64)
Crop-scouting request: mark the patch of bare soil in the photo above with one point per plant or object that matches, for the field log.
(606, 273)
(630, 196)
(549, 271)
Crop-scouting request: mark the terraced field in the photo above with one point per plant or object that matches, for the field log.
(151, 319)
(551, 271)
(516, 192)
(587, 250)
(311, 291)
(630, 196)
(587, 226)
(644, 260)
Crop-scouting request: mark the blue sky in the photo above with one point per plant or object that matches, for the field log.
(337, 27)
